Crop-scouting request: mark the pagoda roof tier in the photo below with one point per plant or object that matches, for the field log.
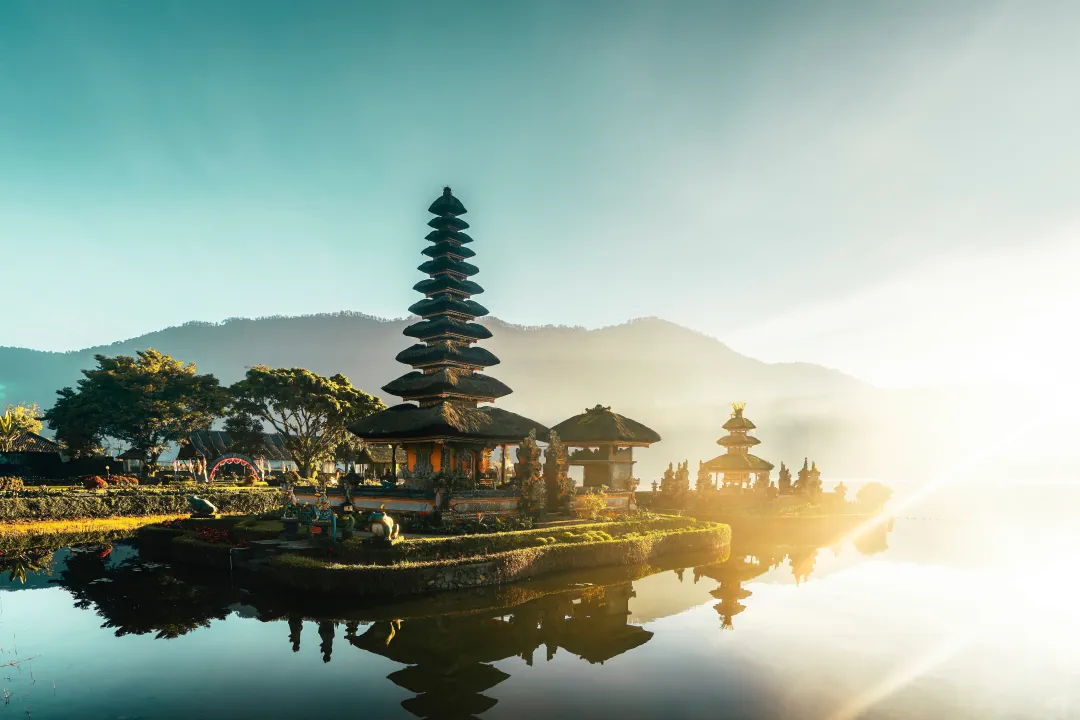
(737, 462)
(448, 304)
(444, 222)
(446, 328)
(447, 421)
(436, 677)
(599, 425)
(447, 248)
(447, 204)
(437, 236)
(445, 283)
(738, 441)
(738, 422)
(446, 353)
(447, 381)
(445, 264)
(464, 705)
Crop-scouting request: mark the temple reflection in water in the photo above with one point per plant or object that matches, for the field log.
(449, 645)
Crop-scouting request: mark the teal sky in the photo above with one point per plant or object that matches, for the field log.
(764, 172)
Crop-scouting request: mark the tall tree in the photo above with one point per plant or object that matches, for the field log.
(146, 401)
(311, 412)
(77, 424)
(18, 420)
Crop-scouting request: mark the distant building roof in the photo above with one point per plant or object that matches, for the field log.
(34, 443)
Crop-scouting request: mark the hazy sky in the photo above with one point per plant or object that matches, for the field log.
(892, 189)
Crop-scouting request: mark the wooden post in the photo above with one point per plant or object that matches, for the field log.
(476, 467)
(503, 448)
(393, 460)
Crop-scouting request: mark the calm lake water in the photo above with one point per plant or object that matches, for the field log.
(965, 608)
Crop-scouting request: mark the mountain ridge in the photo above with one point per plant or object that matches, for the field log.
(676, 380)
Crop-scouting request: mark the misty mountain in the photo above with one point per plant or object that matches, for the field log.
(675, 380)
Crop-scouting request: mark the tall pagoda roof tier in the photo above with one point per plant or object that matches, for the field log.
(444, 328)
(447, 381)
(447, 223)
(600, 425)
(737, 462)
(447, 204)
(447, 284)
(446, 353)
(449, 387)
(448, 248)
(738, 441)
(449, 305)
(446, 264)
(437, 236)
(449, 421)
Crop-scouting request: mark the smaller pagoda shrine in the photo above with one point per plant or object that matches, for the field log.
(737, 467)
(604, 443)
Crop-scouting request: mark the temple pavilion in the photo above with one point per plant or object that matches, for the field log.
(605, 443)
(442, 425)
(737, 467)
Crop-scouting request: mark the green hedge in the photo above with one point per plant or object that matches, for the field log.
(504, 567)
(77, 506)
(458, 546)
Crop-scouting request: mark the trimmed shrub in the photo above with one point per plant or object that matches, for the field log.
(123, 481)
(130, 503)
(10, 484)
(95, 483)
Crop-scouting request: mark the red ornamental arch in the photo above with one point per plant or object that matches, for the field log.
(235, 459)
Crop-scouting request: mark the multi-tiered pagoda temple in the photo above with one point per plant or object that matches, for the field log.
(738, 466)
(442, 425)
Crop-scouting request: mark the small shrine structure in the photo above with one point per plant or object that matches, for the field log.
(441, 425)
(737, 467)
(604, 443)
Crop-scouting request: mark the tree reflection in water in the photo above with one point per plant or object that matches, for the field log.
(137, 598)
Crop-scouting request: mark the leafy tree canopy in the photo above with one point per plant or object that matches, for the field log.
(146, 401)
(18, 420)
(311, 412)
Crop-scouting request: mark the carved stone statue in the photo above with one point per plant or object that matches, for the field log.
(201, 508)
(704, 478)
(785, 480)
(527, 475)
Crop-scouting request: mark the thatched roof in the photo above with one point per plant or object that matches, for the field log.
(738, 462)
(600, 425)
(132, 454)
(447, 304)
(212, 444)
(444, 247)
(447, 381)
(448, 223)
(448, 234)
(34, 443)
(738, 441)
(446, 327)
(447, 204)
(379, 455)
(580, 637)
(446, 420)
(435, 677)
(737, 421)
(445, 283)
(445, 263)
(446, 353)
